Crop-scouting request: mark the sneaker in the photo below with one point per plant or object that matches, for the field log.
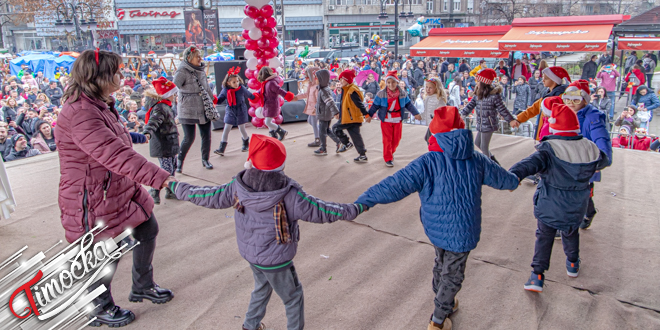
(349, 146)
(586, 222)
(321, 152)
(316, 143)
(572, 268)
(558, 235)
(262, 326)
(446, 325)
(361, 159)
(389, 164)
(535, 283)
(341, 148)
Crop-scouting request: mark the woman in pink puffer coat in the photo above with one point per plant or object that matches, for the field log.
(102, 176)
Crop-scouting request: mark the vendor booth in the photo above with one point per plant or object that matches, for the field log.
(480, 41)
(640, 32)
(564, 34)
(49, 64)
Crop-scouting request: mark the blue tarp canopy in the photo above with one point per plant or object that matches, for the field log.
(46, 63)
(219, 57)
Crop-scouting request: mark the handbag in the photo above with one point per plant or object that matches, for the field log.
(209, 109)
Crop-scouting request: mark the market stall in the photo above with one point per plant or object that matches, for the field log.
(481, 41)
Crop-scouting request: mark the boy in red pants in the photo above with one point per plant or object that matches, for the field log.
(391, 104)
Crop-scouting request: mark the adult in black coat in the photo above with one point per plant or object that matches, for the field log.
(590, 69)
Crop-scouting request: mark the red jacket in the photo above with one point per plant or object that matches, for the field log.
(640, 76)
(97, 162)
(643, 143)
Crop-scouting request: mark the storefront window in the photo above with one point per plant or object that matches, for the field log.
(232, 40)
(161, 42)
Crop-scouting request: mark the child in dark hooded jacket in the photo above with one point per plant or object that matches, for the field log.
(326, 108)
(268, 205)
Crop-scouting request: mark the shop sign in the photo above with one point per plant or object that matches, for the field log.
(433, 21)
(107, 34)
(108, 25)
(357, 25)
(148, 14)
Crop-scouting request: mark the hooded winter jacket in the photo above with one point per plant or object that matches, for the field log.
(161, 127)
(101, 176)
(326, 108)
(650, 100)
(449, 184)
(566, 166)
(271, 92)
(523, 96)
(255, 194)
(380, 105)
(486, 110)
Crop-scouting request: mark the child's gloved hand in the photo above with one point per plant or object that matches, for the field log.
(361, 208)
(289, 96)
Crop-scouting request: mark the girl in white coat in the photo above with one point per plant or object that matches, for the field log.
(435, 97)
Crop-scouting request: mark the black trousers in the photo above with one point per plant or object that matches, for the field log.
(189, 138)
(325, 132)
(354, 131)
(143, 274)
(545, 238)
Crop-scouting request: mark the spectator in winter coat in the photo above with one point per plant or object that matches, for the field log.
(419, 73)
(370, 85)
(411, 84)
(523, 95)
(20, 148)
(487, 104)
(649, 68)
(638, 141)
(536, 85)
(637, 77)
(448, 180)
(468, 82)
(630, 61)
(54, 93)
(646, 97)
(502, 69)
(608, 76)
(5, 140)
(628, 118)
(44, 138)
(590, 68)
(450, 74)
(600, 100)
(454, 89)
(464, 66)
(478, 68)
(520, 69)
(28, 121)
(605, 59)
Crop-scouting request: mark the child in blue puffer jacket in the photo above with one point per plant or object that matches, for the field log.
(448, 179)
(268, 205)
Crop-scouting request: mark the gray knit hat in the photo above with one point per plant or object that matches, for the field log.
(190, 50)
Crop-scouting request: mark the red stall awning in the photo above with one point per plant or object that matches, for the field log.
(639, 43)
(462, 42)
(567, 33)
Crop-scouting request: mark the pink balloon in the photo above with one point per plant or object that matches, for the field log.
(281, 101)
(258, 53)
(257, 122)
(250, 74)
(271, 22)
(246, 34)
(260, 22)
(267, 33)
(251, 11)
(273, 42)
(254, 84)
(251, 112)
(262, 61)
(251, 44)
(263, 43)
(266, 11)
(268, 53)
(278, 120)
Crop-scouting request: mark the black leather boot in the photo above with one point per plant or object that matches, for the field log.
(273, 133)
(179, 165)
(281, 133)
(221, 151)
(155, 194)
(114, 317)
(206, 164)
(246, 145)
(157, 295)
(169, 194)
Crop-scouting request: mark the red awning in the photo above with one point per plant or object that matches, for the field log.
(462, 42)
(639, 43)
(571, 20)
(572, 38)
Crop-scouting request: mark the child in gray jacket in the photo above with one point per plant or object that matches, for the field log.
(326, 109)
(267, 207)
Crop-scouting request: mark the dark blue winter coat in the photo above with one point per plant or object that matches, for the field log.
(237, 114)
(449, 186)
(566, 165)
(593, 127)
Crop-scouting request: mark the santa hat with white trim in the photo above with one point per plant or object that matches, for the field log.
(564, 121)
(548, 103)
(164, 87)
(556, 74)
(577, 90)
(486, 76)
(392, 75)
(266, 154)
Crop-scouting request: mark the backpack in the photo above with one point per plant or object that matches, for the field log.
(647, 67)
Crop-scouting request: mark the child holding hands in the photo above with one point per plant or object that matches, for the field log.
(268, 205)
(271, 91)
(236, 112)
(326, 108)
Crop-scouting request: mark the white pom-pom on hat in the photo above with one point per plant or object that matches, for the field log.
(247, 165)
(552, 120)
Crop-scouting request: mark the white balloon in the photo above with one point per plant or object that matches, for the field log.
(247, 23)
(259, 112)
(252, 64)
(255, 33)
(279, 70)
(274, 62)
(249, 54)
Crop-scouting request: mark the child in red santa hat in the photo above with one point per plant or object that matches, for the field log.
(268, 205)
(565, 161)
(161, 131)
(391, 104)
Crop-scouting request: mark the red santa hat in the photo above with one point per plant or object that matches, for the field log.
(556, 74)
(548, 103)
(266, 154)
(164, 87)
(577, 90)
(392, 75)
(348, 75)
(444, 120)
(564, 121)
(486, 76)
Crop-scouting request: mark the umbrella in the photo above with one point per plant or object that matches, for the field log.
(333, 75)
(362, 76)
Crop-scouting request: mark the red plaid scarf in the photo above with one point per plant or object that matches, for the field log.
(281, 224)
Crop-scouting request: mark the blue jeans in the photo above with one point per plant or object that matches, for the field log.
(612, 96)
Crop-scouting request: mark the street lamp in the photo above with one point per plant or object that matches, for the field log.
(75, 19)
